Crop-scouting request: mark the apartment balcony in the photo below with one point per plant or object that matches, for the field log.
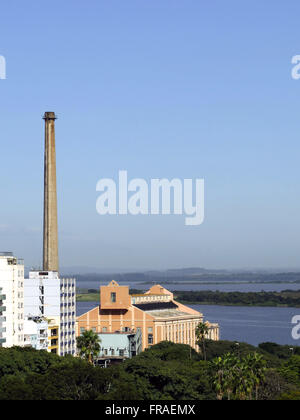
(43, 348)
(53, 337)
(53, 347)
(54, 343)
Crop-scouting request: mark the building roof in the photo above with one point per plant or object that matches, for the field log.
(157, 289)
(119, 333)
(148, 294)
(172, 313)
(155, 306)
(113, 283)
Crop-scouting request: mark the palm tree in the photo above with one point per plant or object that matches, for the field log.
(88, 345)
(226, 376)
(239, 377)
(218, 365)
(256, 366)
(201, 335)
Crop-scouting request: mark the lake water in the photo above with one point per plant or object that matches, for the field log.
(252, 325)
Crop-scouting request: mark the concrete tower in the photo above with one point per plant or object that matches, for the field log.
(50, 254)
(46, 295)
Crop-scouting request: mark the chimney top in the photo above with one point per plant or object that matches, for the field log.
(49, 116)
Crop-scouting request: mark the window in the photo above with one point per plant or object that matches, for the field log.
(82, 329)
(112, 352)
(104, 329)
(121, 352)
(113, 297)
(150, 330)
(150, 338)
(94, 329)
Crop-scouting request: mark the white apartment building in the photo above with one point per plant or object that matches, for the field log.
(12, 285)
(67, 316)
(2, 318)
(36, 333)
(48, 296)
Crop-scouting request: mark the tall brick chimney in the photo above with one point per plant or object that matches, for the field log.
(50, 248)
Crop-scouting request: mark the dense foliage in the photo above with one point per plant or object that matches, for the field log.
(290, 298)
(166, 371)
(285, 298)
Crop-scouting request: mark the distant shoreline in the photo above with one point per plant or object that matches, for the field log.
(258, 305)
(88, 297)
(284, 299)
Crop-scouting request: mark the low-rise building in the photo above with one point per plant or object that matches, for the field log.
(119, 345)
(156, 314)
(36, 332)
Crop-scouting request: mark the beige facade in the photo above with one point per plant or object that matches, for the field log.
(155, 313)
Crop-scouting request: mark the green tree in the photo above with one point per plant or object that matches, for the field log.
(293, 395)
(201, 336)
(239, 377)
(226, 376)
(256, 371)
(88, 345)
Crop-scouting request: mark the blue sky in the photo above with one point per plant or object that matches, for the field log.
(185, 89)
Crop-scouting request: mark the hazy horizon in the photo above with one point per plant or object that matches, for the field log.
(84, 270)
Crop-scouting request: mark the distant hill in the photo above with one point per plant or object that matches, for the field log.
(191, 275)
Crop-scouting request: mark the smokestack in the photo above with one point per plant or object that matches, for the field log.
(50, 249)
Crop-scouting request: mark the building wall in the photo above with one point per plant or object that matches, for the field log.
(36, 333)
(54, 298)
(2, 318)
(12, 284)
(68, 317)
(121, 296)
(119, 345)
(42, 294)
(53, 337)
